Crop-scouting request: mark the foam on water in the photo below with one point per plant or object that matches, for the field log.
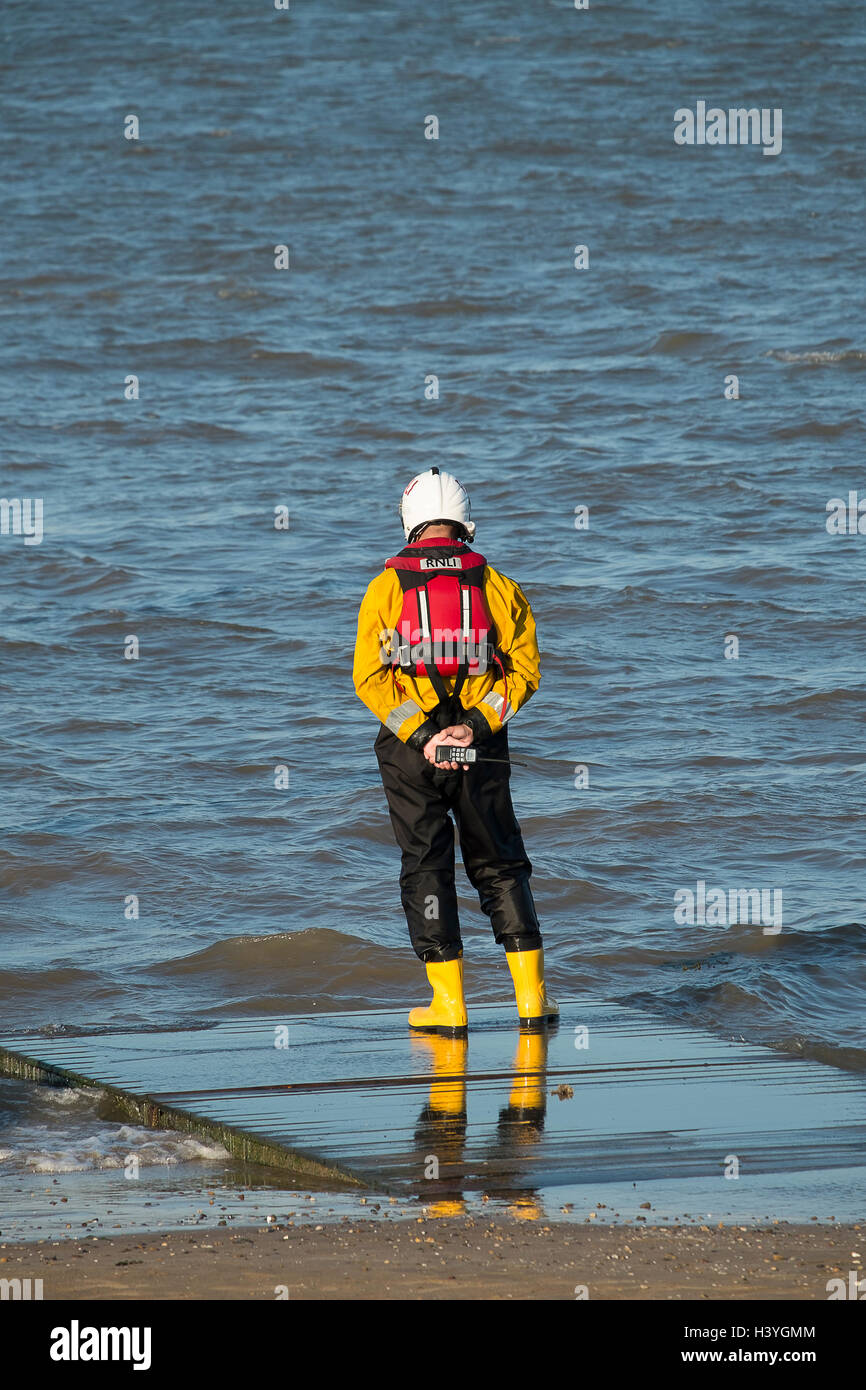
(61, 1130)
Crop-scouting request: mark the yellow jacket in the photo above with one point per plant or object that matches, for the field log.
(403, 703)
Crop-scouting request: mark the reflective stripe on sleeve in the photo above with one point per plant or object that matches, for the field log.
(398, 716)
(497, 704)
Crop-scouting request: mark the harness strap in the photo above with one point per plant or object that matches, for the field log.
(450, 702)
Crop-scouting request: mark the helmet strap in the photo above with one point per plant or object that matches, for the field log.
(463, 538)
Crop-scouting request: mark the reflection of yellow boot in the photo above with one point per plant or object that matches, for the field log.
(529, 1091)
(440, 1131)
(449, 1206)
(448, 1084)
(534, 1008)
(446, 1012)
(523, 1120)
(526, 1209)
(447, 1057)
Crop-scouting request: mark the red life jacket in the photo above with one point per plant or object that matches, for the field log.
(445, 627)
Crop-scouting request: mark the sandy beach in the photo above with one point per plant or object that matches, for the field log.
(447, 1258)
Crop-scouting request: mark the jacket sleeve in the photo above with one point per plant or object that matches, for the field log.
(375, 680)
(518, 646)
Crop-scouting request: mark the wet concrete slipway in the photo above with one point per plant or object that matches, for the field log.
(608, 1117)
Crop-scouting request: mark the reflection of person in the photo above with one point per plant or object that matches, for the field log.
(446, 654)
(441, 1128)
(440, 1131)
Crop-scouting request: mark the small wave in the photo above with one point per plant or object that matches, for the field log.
(44, 280)
(189, 429)
(819, 429)
(67, 1130)
(64, 1097)
(437, 308)
(113, 1149)
(100, 426)
(106, 1151)
(19, 649)
(798, 993)
(305, 363)
(847, 939)
(317, 969)
(14, 983)
(682, 341)
(847, 1058)
(86, 575)
(188, 346)
(531, 149)
(821, 701)
(319, 947)
(819, 357)
(734, 1011)
(363, 429)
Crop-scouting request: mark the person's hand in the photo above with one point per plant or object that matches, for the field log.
(456, 735)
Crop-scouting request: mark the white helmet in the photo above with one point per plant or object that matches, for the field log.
(435, 496)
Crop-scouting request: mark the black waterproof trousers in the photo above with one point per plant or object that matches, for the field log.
(420, 798)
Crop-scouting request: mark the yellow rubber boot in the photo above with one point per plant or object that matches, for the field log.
(534, 1008)
(446, 1013)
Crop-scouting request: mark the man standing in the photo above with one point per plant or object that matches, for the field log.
(445, 655)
